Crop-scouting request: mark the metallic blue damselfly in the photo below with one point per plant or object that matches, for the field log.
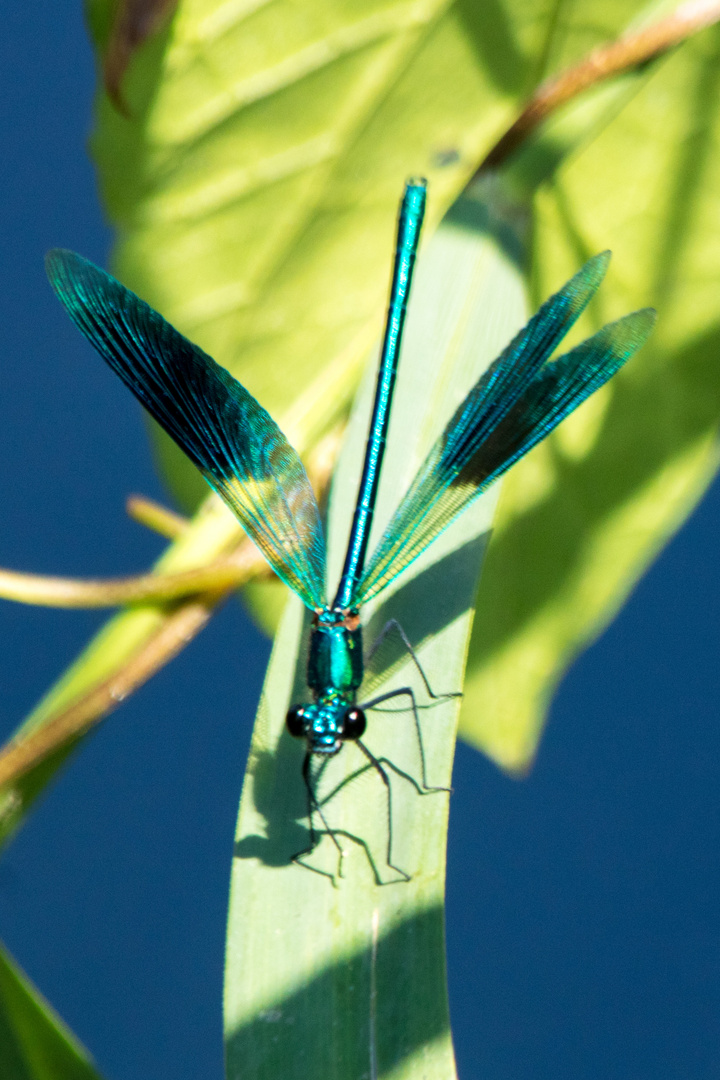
(244, 456)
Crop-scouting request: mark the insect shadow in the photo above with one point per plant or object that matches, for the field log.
(278, 791)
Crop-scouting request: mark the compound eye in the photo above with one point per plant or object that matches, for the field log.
(295, 721)
(354, 724)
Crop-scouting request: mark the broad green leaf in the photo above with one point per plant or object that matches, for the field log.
(254, 185)
(350, 980)
(580, 518)
(34, 1042)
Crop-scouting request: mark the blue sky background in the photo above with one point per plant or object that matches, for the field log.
(582, 902)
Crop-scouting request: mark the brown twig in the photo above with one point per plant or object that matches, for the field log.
(46, 591)
(154, 516)
(22, 754)
(628, 52)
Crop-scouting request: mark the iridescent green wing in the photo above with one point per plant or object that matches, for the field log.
(233, 441)
(483, 440)
(496, 392)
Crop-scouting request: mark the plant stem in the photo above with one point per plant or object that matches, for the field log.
(630, 51)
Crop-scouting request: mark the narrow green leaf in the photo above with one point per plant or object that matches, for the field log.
(348, 979)
(34, 1042)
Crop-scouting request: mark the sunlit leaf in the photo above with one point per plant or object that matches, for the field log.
(254, 183)
(580, 518)
(303, 955)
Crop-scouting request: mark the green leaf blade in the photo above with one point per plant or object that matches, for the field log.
(34, 1042)
(348, 978)
(580, 518)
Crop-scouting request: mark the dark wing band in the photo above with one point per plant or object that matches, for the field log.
(471, 453)
(232, 440)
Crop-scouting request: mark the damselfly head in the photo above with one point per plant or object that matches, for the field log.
(326, 725)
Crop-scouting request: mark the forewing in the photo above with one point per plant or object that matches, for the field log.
(495, 393)
(467, 458)
(232, 440)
